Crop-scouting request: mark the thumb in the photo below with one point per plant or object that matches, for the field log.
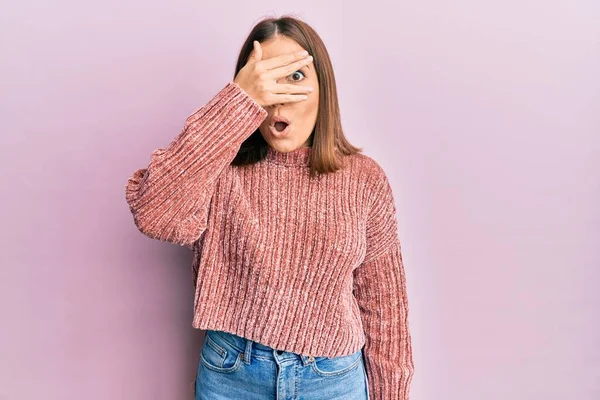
(256, 54)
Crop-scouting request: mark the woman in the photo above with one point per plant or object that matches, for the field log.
(297, 263)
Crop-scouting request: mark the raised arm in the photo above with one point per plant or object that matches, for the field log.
(380, 291)
(170, 198)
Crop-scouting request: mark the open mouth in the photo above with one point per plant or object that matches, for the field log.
(280, 126)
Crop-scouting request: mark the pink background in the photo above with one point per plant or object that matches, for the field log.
(485, 115)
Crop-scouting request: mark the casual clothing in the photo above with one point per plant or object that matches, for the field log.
(232, 367)
(307, 265)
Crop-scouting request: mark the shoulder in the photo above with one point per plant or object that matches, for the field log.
(378, 193)
(368, 169)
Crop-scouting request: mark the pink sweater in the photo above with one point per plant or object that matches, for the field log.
(311, 266)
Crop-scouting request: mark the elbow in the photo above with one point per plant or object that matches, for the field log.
(158, 219)
(183, 233)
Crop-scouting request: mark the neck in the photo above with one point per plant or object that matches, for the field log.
(299, 156)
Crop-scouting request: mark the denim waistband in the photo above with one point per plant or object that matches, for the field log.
(252, 348)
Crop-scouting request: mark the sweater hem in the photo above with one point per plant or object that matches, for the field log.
(349, 349)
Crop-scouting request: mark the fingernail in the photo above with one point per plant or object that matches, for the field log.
(303, 52)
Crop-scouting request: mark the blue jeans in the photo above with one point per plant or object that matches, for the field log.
(235, 368)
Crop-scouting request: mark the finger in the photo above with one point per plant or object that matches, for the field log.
(284, 59)
(288, 69)
(287, 98)
(291, 89)
(256, 54)
(258, 50)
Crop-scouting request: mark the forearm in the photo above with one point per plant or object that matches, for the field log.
(169, 199)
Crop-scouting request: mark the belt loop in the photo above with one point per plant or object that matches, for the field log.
(248, 352)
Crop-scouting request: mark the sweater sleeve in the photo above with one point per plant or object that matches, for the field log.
(170, 198)
(380, 291)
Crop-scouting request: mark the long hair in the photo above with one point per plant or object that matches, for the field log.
(327, 139)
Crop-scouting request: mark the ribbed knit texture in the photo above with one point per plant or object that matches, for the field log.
(307, 265)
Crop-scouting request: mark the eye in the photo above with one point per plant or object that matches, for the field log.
(296, 74)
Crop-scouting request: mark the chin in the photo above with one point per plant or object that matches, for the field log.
(283, 145)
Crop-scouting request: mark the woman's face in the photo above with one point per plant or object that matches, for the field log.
(303, 114)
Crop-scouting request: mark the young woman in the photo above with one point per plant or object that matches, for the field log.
(297, 265)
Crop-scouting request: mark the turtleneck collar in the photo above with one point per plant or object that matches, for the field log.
(299, 156)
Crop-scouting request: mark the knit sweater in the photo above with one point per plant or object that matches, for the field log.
(303, 264)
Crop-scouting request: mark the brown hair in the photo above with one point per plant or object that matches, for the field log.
(327, 137)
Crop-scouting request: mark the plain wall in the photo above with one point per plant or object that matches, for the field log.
(485, 116)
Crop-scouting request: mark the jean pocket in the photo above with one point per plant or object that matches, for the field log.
(335, 366)
(218, 355)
